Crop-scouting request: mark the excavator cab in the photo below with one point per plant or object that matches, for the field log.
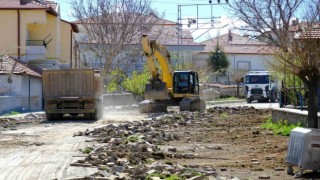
(185, 82)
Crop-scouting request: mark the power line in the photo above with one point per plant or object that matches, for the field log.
(167, 2)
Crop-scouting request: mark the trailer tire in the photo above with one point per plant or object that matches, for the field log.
(273, 97)
(248, 100)
(74, 114)
(290, 170)
(87, 116)
(57, 116)
(49, 116)
(96, 116)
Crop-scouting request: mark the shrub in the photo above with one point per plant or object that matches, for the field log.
(11, 113)
(282, 127)
(137, 83)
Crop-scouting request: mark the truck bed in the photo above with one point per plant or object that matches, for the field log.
(70, 83)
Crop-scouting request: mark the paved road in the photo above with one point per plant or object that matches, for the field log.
(45, 150)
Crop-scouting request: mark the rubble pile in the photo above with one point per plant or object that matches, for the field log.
(130, 150)
(233, 110)
(11, 122)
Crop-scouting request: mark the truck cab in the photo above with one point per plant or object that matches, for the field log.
(260, 87)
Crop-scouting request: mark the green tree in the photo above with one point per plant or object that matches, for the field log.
(137, 83)
(115, 79)
(218, 61)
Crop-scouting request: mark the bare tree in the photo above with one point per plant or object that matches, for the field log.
(237, 77)
(271, 21)
(110, 31)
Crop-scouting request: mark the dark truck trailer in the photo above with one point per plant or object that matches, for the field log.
(72, 91)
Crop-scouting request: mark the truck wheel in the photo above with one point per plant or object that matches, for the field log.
(73, 114)
(96, 115)
(248, 100)
(273, 97)
(87, 116)
(290, 170)
(49, 116)
(57, 116)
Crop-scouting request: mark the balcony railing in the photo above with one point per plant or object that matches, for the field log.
(44, 42)
(36, 43)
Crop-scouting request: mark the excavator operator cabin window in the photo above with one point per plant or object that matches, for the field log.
(191, 77)
(181, 82)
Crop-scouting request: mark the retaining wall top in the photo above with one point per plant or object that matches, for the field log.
(295, 111)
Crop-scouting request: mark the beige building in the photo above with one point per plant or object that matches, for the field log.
(32, 31)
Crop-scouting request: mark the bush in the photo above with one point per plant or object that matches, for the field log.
(137, 83)
(282, 127)
(11, 113)
(116, 76)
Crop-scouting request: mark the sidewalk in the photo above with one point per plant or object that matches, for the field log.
(225, 101)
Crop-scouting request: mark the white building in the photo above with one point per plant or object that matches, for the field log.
(20, 86)
(243, 53)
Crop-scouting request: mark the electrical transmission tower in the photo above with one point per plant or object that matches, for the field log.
(195, 21)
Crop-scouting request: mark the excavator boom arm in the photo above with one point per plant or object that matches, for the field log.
(156, 52)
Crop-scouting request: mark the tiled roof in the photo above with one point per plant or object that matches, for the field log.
(314, 33)
(29, 4)
(169, 34)
(18, 67)
(74, 27)
(236, 44)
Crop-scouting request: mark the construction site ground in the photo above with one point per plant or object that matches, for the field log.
(229, 140)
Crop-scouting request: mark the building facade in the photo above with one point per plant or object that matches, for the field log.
(32, 31)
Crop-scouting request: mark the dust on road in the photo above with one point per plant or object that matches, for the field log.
(44, 149)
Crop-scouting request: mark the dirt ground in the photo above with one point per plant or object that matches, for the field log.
(232, 142)
(228, 139)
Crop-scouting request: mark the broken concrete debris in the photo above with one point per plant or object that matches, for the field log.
(130, 150)
(12, 122)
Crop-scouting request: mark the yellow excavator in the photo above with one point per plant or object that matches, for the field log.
(168, 88)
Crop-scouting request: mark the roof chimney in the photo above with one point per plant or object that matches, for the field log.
(229, 35)
(24, 2)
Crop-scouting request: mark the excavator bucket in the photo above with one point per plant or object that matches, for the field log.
(156, 91)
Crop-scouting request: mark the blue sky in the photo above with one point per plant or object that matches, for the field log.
(190, 9)
(169, 7)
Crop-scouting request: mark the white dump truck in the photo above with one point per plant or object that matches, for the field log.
(260, 87)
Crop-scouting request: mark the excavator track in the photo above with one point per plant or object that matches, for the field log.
(192, 104)
(151, 106)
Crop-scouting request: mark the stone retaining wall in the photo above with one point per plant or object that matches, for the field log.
(293, 116)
